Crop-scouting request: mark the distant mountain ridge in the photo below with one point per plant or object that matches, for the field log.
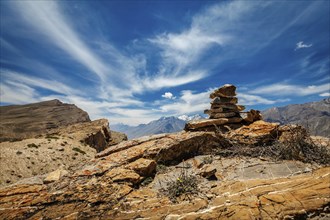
(162, 125)
(315, 116)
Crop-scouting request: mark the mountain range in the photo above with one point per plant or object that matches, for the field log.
(315, 116)
(162, 125)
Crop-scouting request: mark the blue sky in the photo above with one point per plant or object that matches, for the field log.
(135, 61)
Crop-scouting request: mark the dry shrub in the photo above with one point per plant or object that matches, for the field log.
(292, 142)
(295, 143)
(185, 185)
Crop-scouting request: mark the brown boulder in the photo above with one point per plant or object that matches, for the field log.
(251, 116)
(208, 171)
(123, 175)
(143, 167)
(257, 133)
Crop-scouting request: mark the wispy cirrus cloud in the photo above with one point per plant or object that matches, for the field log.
(36, 82)
(49, 19)
(283, 89)
(18, 93)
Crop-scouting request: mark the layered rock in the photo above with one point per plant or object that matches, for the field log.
(224, 113)
(123, 182)
(28, 121)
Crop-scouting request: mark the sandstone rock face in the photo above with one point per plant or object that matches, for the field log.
(122, 182)
(27, 121)
(257, 133)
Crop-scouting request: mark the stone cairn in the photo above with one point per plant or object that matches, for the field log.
(224, 113)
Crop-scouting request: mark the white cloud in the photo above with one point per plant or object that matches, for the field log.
(18, 93)
(168, 95)
(188, 102)
(301, 45)
(326, 94)
(52, 85)
(186, 47)
(247, 99)
(279, 89)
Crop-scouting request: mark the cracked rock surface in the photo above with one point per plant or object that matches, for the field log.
(129, 181)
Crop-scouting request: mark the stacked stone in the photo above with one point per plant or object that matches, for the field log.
(224, 114)
(224, 103)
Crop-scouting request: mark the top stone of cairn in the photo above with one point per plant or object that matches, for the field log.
(226, 91)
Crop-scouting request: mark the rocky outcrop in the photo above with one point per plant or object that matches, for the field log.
(47, 135)
(95, 133)
(19, 122)
(126, 182)
(257, 133)
(224, 113)
(69, 146)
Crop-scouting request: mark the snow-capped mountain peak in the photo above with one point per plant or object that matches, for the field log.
(190, 118)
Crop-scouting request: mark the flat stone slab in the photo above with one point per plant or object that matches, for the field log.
(210, 122)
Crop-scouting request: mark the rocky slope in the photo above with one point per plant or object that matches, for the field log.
(18, 122)
(66, 148)
(48, 136)
(188, 175)
(315, 116)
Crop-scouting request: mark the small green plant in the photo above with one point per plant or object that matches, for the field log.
(49, 136)
(161, 168)
(78, 150)
(146, 181)
(19, 152)
(207, 160)
(33, 145)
